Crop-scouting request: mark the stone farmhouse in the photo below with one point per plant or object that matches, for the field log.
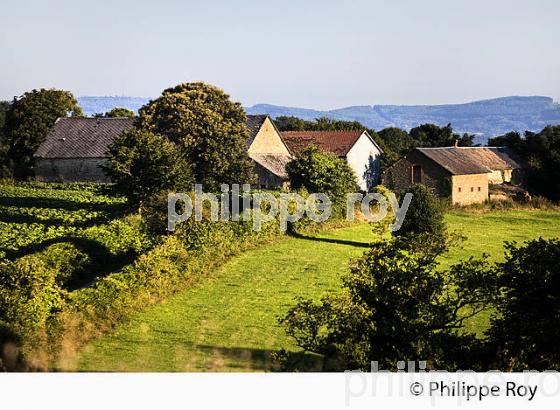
(356, 147)
(76, 148)
(464, 174)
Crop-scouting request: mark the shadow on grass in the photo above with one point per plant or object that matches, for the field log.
(298, 235)
(237, 358)
(10, 217)
(56, 203)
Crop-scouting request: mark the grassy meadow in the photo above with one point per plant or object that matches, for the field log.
(228, 322)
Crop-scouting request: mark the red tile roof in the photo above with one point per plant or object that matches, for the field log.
(337, 142)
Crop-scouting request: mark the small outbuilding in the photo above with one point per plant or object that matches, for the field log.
(76, 148)
(464, 174)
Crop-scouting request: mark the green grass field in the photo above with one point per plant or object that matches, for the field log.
(228, 322)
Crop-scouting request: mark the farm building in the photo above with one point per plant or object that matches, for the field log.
(75, 148)
(268, 151)
(465, 174)
(357, 147)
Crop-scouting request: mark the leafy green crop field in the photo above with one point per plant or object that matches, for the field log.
(32, 214)
(228, 322)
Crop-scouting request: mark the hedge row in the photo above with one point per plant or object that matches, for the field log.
(42, 322)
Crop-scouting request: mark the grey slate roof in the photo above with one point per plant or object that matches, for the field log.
(82, 137)
(472, 160)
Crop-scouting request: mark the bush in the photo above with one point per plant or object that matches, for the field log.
(424, 215)
(32, 292)
(317, 171)
(143, 165)
(397, 305)
(526, 330)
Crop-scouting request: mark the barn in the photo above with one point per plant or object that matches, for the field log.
(76, 148)
(268, 151)
(356, 147)
(464, 174)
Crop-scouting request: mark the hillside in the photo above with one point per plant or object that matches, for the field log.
(93, 105)
(486, 118)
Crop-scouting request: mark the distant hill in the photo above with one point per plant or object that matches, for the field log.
(100, 105)
(485, 118)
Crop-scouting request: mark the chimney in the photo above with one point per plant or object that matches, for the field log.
(456, 142)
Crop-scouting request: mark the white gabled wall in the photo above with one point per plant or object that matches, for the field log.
(364, 158)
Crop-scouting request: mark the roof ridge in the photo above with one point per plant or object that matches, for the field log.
(294, 131)
(426, 148)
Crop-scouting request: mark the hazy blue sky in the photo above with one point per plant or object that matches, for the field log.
(317, 54)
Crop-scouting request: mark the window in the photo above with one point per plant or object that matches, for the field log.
(479, 189)
(459, 189)
(417, 174)
(472, 189)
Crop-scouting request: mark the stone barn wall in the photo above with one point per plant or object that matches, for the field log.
(469, 189)
(70, 170)
(267, 179)
(399, 176)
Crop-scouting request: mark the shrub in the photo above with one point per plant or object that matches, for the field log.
(526, 330)
(396, 305)
(424, 215)
(32, 292)
(317, 171)
(143, 165)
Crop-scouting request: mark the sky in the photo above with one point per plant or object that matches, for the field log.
(314, 54)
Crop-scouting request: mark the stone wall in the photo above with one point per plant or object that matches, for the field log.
(268, 141)
(70, 170)
(469, 189)
(267, 179)
(399, 176)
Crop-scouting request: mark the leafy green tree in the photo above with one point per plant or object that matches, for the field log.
(397, 304)
(290, 123)
(4, 144)
(424, 215)
(526, 329)
(397, 140)
(144, 165)
(208, 127)
(322, 172)
(117, 113)
(28, 121)
(431, 135)
(541, 153)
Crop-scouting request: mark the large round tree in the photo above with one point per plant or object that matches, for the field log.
(208, 127)
(30, 118)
